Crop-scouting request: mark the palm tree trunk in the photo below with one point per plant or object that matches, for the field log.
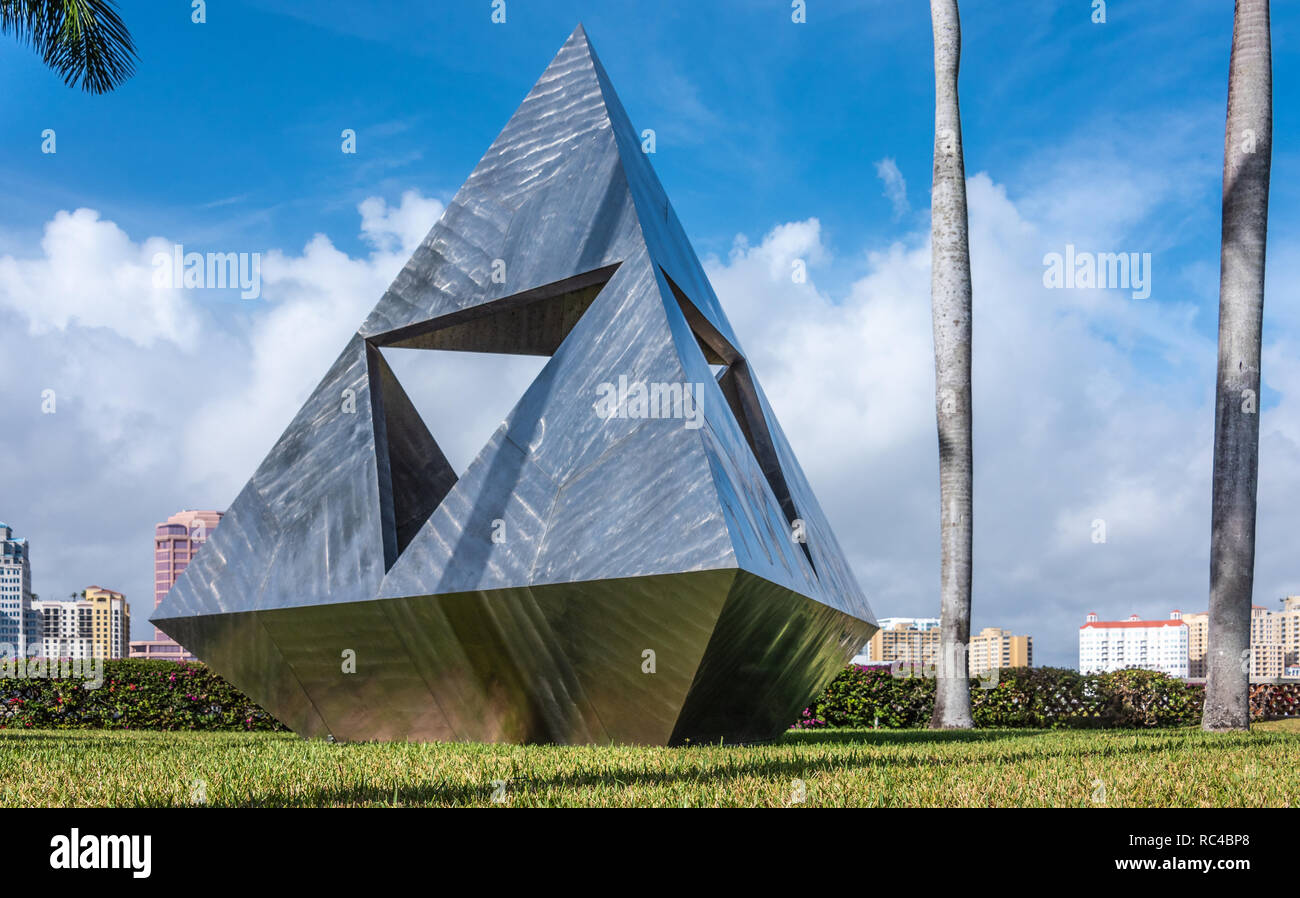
(1248, 148)
(950, 302)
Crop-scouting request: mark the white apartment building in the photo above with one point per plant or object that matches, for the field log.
(66, 628)
(909, 623)
(15, 592)
(98, 625)
(1160, 645)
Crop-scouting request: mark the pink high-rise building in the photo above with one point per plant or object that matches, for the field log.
(175, 542)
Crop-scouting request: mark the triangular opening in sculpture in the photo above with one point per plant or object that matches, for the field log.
(462, 396)
(532, 322)
(732, 373)
(415, 473)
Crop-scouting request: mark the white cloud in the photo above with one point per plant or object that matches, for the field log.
(895, 186)
(164, 398)
(318, 299)
(1089, 404)
(398, 228)
(90, 275)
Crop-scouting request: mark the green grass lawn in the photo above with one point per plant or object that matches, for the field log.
(825, 768)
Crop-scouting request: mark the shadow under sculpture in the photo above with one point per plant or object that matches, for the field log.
(652, 571)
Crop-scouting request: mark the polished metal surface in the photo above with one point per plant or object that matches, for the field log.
(588, 578)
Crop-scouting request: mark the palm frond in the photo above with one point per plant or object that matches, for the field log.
(84, 41)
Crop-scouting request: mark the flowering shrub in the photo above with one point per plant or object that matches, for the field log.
(1271, 700)
(136, 694)
(869, 696)
(807, 722)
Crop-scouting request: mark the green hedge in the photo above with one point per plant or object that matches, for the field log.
(163, 695)
(1037, 697)
(136, 694)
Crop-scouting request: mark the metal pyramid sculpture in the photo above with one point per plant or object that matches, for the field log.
(635, 555)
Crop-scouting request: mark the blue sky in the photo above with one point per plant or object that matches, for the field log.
(1106, 135)
(229, 131)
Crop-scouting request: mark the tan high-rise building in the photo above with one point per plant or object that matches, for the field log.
(1267, 661)
(1274, 640)
(908, 640)
(996, 649)
(1288, 629)
(1267, 657)
(915, 641)
(110, 619)
(1198, 640)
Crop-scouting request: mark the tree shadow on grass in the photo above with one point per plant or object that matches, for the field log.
(902, 737)
(728, 766)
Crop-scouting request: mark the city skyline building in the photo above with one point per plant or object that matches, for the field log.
(907, 640)
(110, 623)
(15, 591)
(176, 541)
(1106, 646)
(994, 648)
(65, 628)
(915, 641)
(1274, 641)
(1288, 630)
(1198, 641)
(914, 623)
